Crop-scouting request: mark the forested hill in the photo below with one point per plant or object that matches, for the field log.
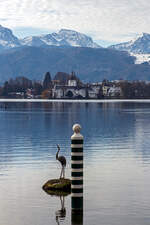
(90, 64)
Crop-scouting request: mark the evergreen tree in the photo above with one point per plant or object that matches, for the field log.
(37, 88)
(6, 89)
(47, 81)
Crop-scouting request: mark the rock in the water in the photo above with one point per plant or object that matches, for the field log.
(58, 186)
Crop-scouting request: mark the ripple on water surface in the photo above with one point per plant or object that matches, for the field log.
(116, 161)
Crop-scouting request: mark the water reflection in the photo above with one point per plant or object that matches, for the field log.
(117, 161)
(37, 125)
(61, 213)
(76, 215)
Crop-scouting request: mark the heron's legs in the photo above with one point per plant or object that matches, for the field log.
(61, 173)
(62, 199)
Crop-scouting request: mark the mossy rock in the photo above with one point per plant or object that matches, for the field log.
(58, 187)
(57, 193)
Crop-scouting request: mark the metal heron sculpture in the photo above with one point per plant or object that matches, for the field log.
(62, 160)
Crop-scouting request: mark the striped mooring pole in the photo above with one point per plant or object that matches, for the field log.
(77, 170)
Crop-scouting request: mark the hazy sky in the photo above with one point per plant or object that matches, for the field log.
(109, 20)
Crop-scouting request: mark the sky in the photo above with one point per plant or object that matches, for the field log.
(106, 21)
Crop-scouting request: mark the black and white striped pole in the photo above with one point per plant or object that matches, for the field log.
(77, 170)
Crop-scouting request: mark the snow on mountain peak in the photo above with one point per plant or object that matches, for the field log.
(7, 39)
(139, 45)
(63, 37)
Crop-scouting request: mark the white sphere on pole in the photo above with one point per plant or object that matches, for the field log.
(76, 128)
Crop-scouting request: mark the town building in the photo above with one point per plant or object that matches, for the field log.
(73, 88)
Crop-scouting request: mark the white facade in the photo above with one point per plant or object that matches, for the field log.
(105, 90)
(113, 91)
(66, 92)
(72, 83)
(93, 91)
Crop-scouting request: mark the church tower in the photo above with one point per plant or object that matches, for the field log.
(72, 82)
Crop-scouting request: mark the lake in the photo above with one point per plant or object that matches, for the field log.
(116, 161)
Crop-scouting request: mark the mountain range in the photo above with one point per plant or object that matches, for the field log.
(7, 39)
(69, 50)
(63, 38)
(139, 45)
(89, 64)
(66, 38)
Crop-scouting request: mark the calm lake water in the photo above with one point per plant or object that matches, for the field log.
(116, 162)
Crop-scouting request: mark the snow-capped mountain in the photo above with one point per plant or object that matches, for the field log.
(7, 39)
(63, 38)
(141, 45)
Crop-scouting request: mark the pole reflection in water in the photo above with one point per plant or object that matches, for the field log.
(77, 217)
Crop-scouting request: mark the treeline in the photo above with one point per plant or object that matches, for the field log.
(135, 89)
(22, 84)
(43, 89)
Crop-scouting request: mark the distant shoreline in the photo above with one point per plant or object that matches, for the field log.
(78, 101)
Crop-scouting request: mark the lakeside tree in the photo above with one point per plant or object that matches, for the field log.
(47, 82)
(37, 87)
(6, 89)
(20, 86)
(135, 89)
(46, 94)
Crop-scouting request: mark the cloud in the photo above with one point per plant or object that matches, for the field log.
(111, 20)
